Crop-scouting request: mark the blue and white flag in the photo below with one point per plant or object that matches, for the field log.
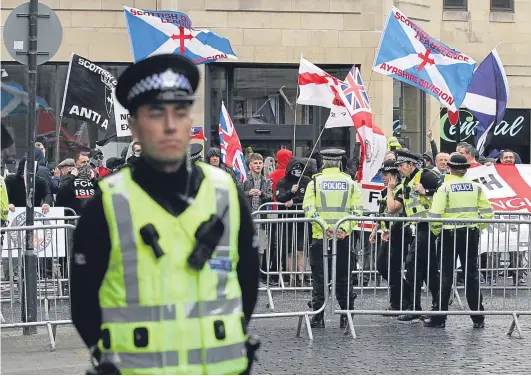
(487, 97)
(154, 33)
(407, 53)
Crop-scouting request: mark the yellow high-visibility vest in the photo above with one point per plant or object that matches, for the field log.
(159, 315)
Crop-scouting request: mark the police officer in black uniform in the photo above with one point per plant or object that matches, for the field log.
(171, 181)
(195, 152)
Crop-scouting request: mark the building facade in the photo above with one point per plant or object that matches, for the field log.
(269, 37)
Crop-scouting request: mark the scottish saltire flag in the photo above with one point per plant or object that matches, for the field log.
(487, 97)
(231, 149)
(407, 53)
(152, 34)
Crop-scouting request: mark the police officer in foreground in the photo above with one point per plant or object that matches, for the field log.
(418, 186)
(330, 196)
(459, 197)
(165, 266)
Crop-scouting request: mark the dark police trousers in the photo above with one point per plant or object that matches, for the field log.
(454, 244)
(422, 251)
(342, 270)
(391, 256)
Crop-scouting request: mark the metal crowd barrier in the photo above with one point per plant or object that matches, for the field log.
(299, 296)
(494, 246)
(52, 246)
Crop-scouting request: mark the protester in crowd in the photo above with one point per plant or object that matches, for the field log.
(78, 186)
(258, 191)
(290, 190)
(283, 157)
(441, 163)
(16, 189)
(62, 170)
(43, 149)
(213, 157)
(43, 171)
(97, 161)
(470, 154)
(269, 166)
(507, 156)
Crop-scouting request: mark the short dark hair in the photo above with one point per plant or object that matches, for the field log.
(507, 151)
(79, 154)
(255, 157)
(461, 144)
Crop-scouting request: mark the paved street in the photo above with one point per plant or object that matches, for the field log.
(383, 346)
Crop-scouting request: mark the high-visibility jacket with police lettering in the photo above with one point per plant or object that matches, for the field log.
(415, 204)
(159, 315)
(459, 197)
(330, 196)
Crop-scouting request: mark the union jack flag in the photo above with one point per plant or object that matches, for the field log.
(231, 149)
(357, 97)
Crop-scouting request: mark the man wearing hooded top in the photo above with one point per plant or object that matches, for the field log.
(283, 157)
(290, 190)
(43, 171)
(213, 157)
(79, 186)
(16, 190)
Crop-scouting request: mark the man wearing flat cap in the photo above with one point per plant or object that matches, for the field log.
(459, 198)
(330, 196)
(418, 186)
(165, 265)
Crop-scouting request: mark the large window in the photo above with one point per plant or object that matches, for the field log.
(455, 4)
(262, 103)
(74, 135)
(409, 109)
(502, 5)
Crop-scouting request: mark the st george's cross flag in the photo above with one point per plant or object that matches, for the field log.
(314, 85)
(154, 33)
(407, 53)
(231, 149)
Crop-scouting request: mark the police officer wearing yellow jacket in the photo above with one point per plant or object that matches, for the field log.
(165, 268)
(459, 197)
(418, 187)
(330, 196)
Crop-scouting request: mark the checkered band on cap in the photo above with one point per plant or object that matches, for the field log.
(390, 169)
(331, 157)
(160, 81)
(402, 159)
(458, 165)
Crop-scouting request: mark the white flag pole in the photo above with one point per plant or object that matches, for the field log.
(294, 145)
(59, 124)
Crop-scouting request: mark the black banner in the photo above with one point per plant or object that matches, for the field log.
(88, 95)
(512, 133)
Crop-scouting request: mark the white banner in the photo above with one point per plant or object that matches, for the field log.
(121, 116)
(47, 243)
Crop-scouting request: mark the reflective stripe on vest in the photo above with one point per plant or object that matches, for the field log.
(138, 360)
(136, 313)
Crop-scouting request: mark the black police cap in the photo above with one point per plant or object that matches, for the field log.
(406, 156)
(458, 162)
(158, 79)
(332, 154)
(389, 166)
(195, 152)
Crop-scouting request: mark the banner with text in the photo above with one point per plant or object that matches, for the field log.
(47, 243)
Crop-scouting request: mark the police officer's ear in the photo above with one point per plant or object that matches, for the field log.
(132, 125)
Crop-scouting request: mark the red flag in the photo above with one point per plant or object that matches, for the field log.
(453, 117)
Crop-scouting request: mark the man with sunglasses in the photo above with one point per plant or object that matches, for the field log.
(419, 186)
(96, 162)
